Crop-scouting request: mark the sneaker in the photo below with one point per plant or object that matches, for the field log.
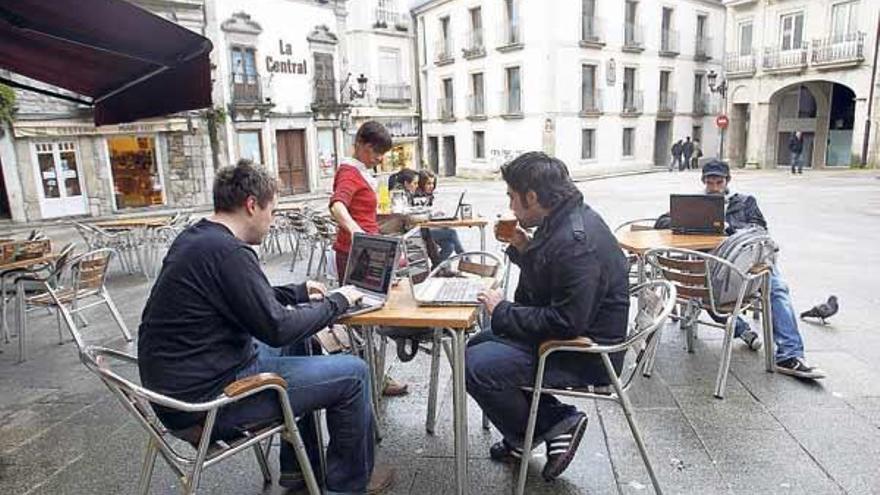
(799, 368)
(393, 388)
(562, 448)
(750, 337)
(382, 479)
(504, 452)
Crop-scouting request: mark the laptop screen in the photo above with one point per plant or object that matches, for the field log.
(696, 213)
(371, 262)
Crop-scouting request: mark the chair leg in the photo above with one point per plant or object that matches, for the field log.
(651, 357)
(726, 350)
(767, 326)
(60, 331)
(117, 316)
(22, 324)
(303, 459)
(147, 469)
(295, 250)
(433, 385)
(630, 420)
(260, 454)
(530, 429)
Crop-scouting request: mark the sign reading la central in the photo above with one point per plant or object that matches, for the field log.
(286, 65)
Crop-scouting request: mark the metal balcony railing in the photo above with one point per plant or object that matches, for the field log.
(845, 48)
(475, 46)
(592, 30)
(666, 103)
(669, 42)
(511, 34)
(511, 103)
(443, 51)
(703, 48)
(476, 106)
(738, 65)
(778, 59)
(446, 108)
(395, 93)
(246, 88)
(591, 101)
(633, 103)
(702, 104)
(633, 37)
(386, 18)
(325, 93)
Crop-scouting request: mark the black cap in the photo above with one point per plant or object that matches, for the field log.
(716, 168)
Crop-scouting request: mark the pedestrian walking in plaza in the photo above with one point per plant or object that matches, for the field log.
(698, 153)
(676, 156)
(687, 149)
(796, 148)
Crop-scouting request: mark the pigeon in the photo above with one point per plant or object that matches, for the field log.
(823, 311)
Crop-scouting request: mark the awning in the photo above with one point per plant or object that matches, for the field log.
(125, 61)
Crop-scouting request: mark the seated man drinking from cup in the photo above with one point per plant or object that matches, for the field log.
(573, 283)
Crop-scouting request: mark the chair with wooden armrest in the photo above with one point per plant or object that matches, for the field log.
(652, 303)
(188, 466)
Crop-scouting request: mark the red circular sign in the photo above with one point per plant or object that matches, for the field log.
(722, 121)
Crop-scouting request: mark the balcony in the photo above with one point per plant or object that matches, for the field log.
(324, 96)
(633, 38)
(591, 103)
(666, 105)
(246, 89)
(738, 66)
(779, 61)
(475, 47)
(703, 49)
(446, 109)
(633, 104)
(838, 51)
(476, 107)
(511, 36)
(669, 43)
(443, 54)
(702, 105)
(399, 94)
(511, 104)
(592, 32)
(390, 19)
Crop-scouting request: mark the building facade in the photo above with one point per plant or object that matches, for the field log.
(605, 85)
(800, 66)
(56, 163)
(281, 68)
(380, 47)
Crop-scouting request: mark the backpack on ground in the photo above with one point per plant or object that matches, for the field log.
(745, 249)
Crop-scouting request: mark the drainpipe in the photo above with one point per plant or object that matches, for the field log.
(871, 97)
(417, 87)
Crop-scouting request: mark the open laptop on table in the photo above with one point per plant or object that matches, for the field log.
(696, 213)
(370, 269)
(450, 291)
(454, 216)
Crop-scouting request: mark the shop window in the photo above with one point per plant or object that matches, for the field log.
(250, 146)
(136, 178)
(59, 169)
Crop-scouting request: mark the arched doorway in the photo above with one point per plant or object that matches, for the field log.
(840, 126)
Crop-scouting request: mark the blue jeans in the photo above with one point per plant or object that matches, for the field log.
(786, 335)
(340, 385)
(496, 369)
(448, 241)
(797, 162)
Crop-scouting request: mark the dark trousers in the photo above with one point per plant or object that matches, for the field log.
(341, 264)
(448, 241)
(496, 369)
(340, 385)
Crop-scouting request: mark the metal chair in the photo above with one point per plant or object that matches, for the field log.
(188, 466)
(80, 280)
(690, 272)
(654, 302)
(635, 275)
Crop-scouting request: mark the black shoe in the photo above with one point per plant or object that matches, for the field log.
(799, 368)
(504, 452)
(292, 481)
(562, 448)
(750, 337)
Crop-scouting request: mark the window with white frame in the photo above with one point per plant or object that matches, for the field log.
(479, 145)
(744, 38)
(629, 137)
(250, 146)
(588, 144)
(58, 168)
(514, 91)
(791, 31)
(588, 88)
(844, 20)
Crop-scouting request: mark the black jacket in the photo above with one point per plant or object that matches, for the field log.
(741, 212)
(687, 148)
(573, 282)
(795, 145)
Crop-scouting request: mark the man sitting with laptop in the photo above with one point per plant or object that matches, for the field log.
(742, 212)
(213, 318)
(573, 283)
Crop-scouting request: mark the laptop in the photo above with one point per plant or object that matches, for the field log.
(450, 291)
(370, 269)
(454, 216)
(696, 213)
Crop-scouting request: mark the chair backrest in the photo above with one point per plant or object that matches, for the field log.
(25, 250)
(89, 270)
(653, 302)
(637, 224)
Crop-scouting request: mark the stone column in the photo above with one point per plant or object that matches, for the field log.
(758, 151)
(858, 136)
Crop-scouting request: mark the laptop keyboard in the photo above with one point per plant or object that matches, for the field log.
(459, 290)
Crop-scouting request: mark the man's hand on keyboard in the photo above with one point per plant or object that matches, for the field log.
(350, 293)
(490, 298)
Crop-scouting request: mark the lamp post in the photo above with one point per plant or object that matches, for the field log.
(343, 113)
(721, 89)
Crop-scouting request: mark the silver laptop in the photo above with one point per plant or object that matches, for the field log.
(450, 291)
(370, 269)
(454, 216)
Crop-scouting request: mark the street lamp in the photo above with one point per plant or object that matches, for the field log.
(721, 89)
(343, 113)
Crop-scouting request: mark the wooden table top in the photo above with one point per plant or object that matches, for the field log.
(401, 310)
(49, 258)
(640, 241)
(134, 223)
(470, 222)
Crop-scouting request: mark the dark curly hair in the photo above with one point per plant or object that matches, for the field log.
(544, 174)
(233, 184)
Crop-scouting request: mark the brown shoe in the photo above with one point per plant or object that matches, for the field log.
(382, 479)
(393, 388)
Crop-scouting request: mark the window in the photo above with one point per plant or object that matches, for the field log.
(135, 172)
(448, 90)
(250, 146)
(479, 145)
(629, 88)
(325, 83)
(588, 144)
(702, 19)
(444, 36)
(446, 110)
(478, 105)
(666, 29)
(389, 66)
(58, 166)
(514, 92)
(745, 38)
(629, 34)
(589, 31)
(476, 40)
(697, 133)
(843, 20)
(629, 136)
(245, 83)
(791, 30)
(588, 88)
(512, 21)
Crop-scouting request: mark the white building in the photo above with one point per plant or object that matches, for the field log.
(380, 46)
(800, 66)
(605, 85)
(280, 64)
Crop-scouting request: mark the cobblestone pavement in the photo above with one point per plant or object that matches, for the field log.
(62, 433)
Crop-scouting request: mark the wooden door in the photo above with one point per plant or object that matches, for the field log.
(292, 172)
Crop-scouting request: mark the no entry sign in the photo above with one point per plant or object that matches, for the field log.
(722, 121)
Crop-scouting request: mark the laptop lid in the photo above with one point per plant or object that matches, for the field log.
(371, 263)
(455, 213)
(697, 213)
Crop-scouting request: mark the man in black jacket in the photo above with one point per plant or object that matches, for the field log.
(573, 283)
(213, 318)
(796, 149)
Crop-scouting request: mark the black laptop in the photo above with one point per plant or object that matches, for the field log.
(696, 213)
